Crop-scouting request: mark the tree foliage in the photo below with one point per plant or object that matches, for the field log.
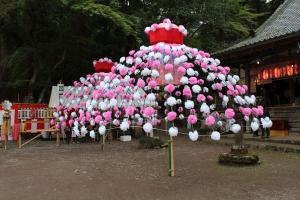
(43, 42)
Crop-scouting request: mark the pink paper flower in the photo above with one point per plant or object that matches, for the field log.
(149, 111)
(187, 91)
(71, 121)
(170, 88)
(171, 116)
(192, 119)
(210, 120)
(218, 86)
(152, 84)
(155, 64)
(168, 67)
(123, 71)
(181, 70)
(210, 98)
(201, 98)
(204, 65)
(245, 111)
(229, 113)
(200, 81)
(119, 89)
(177, 93)
(107, 115)
(98, 118)
(109, 94)
(141, 83)
(193, 80)
(129, 110)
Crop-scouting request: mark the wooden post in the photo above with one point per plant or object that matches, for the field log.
(20, 140)
(57, 138)
(103, 142)
(6, 127)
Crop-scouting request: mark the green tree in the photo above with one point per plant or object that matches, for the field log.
(46, 41)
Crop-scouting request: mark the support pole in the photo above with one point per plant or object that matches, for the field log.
(171, 168)
(57, 138)
(103, 142)
(20, 140)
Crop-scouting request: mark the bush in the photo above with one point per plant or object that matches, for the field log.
(150, 142)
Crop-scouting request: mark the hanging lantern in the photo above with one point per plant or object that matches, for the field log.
(276, 72)
(265, 74)
(289, 69)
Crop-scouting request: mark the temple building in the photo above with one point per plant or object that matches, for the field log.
(269, 63)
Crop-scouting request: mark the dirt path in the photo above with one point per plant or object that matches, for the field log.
(81, 171)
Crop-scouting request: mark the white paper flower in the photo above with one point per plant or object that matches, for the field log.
(254, 126)
(83, 130)
(92, 134)
(148, 127)
(196, 89)
(204, 108)
(215, 135)
(171, 101)
(190, 72)
(235, 128)
(102, 130)
(184, 80)
(173, 131)
(168, 77)
(189, 104)
(124, 126)
(193, 135)
(154, 73)
(113, 102)
(151, 97)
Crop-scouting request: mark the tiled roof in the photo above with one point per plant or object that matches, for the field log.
(284, 21)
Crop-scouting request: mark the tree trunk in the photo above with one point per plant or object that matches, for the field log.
(42, 94)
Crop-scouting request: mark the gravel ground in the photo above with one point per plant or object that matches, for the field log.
(42, 171)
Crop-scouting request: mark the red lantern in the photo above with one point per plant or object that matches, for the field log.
(265, 74)
(276, 72)
(289, 70)
(169, 36)
(103, 65)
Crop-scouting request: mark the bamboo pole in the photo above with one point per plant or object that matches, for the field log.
(57, 138)
(171, 168)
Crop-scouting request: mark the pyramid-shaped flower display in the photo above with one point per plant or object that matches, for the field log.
(187, 83)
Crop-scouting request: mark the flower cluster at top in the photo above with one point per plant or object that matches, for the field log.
(167, 25)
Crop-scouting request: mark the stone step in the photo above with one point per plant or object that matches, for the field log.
(297, 130)
(290, 115)
(285, 140)
(294, 120)
(260, 145)
(294, 124)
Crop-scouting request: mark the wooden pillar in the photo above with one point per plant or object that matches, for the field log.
(20, 140)
(6, 127)
(292, 91)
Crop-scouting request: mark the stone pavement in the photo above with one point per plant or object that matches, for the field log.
(289, 143)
